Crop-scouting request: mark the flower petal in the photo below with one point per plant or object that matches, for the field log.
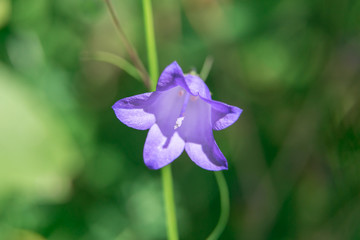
(163, 143)
(223, 115)
(197, 132)
(167, 106)
(171, 76)
(206, 154)
(162, 148)
(197, 86)
(131, 111)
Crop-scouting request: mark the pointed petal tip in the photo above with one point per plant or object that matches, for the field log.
(215, 168)
(223, 115)
(113, 107)
(176, 66)
(207, 155)
(220, 169)
(175, 63)
(237, 111)
(130, 111)
(170, 77)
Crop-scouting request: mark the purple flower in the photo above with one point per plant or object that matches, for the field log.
(181, 115)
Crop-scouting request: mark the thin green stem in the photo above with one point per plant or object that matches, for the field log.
(171, 223)
(128, 46)
(225, 206)
(151, 44)
(114, 60)
(220, 179)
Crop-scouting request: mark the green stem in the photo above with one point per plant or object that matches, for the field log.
(151, 44)
(225, 206)
(171, 223)
(220, 179)
(223, 188)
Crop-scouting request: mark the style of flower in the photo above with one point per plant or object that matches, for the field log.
(180, 115)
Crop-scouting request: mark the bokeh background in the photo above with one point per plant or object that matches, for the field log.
(70, 170)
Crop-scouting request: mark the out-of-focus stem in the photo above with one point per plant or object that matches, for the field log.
(206, 68)
(225, 206)
(128, 46)
(220, 179)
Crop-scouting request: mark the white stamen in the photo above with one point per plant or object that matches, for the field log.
(178, 123)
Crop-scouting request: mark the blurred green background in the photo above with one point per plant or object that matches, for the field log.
(70, 170)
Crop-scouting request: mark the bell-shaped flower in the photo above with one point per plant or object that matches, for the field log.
(180, 115)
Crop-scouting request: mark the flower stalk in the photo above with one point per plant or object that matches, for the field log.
(151, 44)
(171, 222)
(220, 179)
(225, 206)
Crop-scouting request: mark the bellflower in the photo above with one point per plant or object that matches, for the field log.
(180, 115)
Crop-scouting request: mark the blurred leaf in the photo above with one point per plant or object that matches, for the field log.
(266, 60)
(115, 60)
(38, 155)
(18, 234)
(31, 14)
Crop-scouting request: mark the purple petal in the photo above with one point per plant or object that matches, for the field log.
(197, 119)
(223, 115)
(197, 86)
(167, 106)
(206, 154)
(197, 132)
(130, 111)
(171, 76)
(162, 148)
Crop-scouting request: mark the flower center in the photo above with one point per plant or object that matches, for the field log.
(182, 93)
(181, 117)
